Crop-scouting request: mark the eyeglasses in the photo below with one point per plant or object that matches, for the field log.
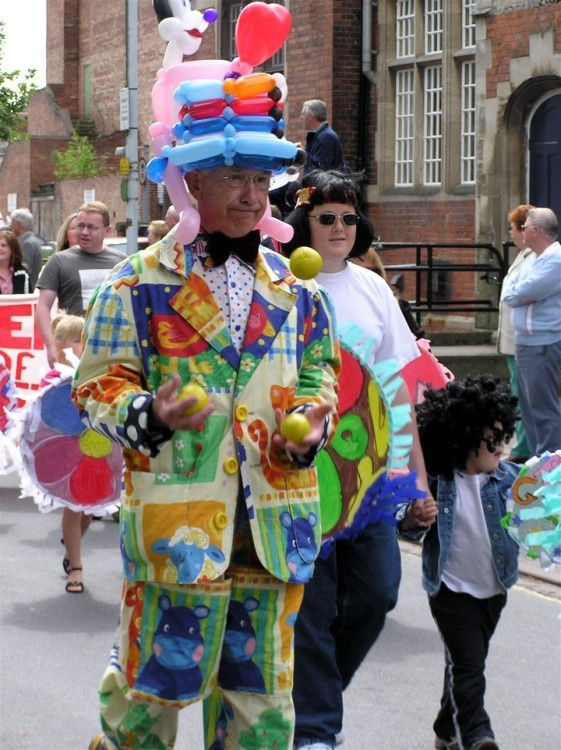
(327, 219)
(240, 180)
(89, 227)
(524, 227)
(493, 443)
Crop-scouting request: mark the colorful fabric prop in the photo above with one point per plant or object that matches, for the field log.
(67, 464)
(212, 113)
(534, 509)
(9, 454)
(369, 445)
(425, 372)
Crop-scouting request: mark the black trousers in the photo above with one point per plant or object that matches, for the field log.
(466, 625)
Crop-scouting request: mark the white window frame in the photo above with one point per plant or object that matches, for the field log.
(468, 24)
(467, 157)
(432, 125)
(433, 26)
(405, 28)
(404, 127)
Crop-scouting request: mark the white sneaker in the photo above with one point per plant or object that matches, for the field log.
(316, 746)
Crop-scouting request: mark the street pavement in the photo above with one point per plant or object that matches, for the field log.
(54, 647)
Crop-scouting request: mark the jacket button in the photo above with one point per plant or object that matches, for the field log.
(241, 413)
(231, 466)
(220, 521)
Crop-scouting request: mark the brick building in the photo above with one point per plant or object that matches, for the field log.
(451, 107)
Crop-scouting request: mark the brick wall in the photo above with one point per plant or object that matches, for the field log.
(509, 33)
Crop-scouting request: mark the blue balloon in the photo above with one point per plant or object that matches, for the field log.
(261, 123)
(155, 169)
(206, 126)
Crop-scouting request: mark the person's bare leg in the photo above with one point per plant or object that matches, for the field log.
(74, 526)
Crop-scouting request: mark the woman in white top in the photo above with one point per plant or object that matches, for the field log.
(346, 602)
(519, 450)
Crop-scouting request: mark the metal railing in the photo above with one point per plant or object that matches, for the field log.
(433, 275)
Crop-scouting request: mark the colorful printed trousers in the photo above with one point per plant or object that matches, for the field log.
(230, 642)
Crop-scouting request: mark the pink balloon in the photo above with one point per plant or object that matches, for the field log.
(275, 228)
(261, 30)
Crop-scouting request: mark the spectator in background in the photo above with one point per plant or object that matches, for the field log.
(31, 243)
(67, 234)
(14, 278)
(157, 230)
(519, 451)
(322, 142)
(172, 217)
(372, 261)
(397, 284)
(72, 276)
(534, 293)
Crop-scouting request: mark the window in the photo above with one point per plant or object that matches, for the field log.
(431, 71)
(405, 36)
(433, 26)
(468, 24)
(468, 123)
(404, 124)
(432, 122)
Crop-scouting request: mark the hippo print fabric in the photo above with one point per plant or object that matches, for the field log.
(174, 638)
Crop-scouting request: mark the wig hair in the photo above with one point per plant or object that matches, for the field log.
(452, 420)
(13, 243)
(331, 186)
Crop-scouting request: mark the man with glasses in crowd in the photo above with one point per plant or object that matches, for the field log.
(220, 513)
(73, 275)
(535, 296)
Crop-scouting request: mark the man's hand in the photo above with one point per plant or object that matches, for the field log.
(167, 408)
(316, 417)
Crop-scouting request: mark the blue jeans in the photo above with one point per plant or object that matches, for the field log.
(343, 613)
(538, 370)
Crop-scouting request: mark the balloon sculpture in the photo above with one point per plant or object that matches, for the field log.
(212, 113)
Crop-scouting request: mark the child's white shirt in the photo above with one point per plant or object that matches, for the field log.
(469, 567)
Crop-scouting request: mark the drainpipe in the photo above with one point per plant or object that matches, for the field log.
(367, 79)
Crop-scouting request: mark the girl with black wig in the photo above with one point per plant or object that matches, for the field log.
(469, 559)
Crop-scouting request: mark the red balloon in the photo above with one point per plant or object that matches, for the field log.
(261, 30)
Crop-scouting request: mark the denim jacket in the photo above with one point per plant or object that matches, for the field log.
(436, 542)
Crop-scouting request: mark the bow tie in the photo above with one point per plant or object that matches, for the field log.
(220, 247)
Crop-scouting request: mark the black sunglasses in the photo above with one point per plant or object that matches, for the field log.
(327, 219)
(493, 443)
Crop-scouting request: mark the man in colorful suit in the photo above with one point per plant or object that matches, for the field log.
(217, 506)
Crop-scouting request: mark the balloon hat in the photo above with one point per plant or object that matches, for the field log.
(213, 113)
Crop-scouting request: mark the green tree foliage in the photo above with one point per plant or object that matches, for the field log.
(14, 97)
(78, 160)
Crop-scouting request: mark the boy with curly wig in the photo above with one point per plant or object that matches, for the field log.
(469, 560)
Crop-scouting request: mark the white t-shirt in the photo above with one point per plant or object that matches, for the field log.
(469, 568)
(364, 299)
